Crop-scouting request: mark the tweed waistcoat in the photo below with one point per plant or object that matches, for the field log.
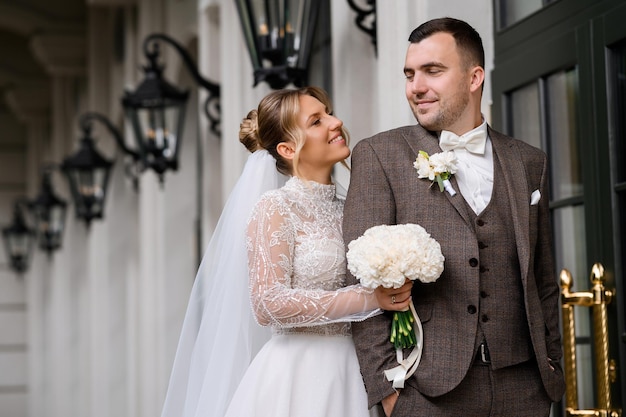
(501, 312)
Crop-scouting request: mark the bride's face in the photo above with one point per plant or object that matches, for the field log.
(324, 145)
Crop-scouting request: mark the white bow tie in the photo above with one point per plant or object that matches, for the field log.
(474, 142)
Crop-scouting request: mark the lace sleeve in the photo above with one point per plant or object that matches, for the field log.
(275, 302)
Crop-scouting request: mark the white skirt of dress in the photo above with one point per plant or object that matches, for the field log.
(302, 375)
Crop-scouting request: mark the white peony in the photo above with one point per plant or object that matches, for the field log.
(387, 254)
(444, 162)
(422, 165)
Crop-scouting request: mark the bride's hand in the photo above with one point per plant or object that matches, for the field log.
(394, 299)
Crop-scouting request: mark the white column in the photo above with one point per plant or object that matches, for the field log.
(38, 140)
(209, 63)
(35, 298)
(99, 339)
(355, 98)
(145, 357)
(63, 58)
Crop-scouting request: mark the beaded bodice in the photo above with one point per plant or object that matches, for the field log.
(296, 258)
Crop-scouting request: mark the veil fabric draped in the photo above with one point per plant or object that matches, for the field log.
(220, 336)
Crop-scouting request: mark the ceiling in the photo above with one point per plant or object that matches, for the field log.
(26, 30)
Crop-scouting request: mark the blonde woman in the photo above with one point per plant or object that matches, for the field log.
(296, 259)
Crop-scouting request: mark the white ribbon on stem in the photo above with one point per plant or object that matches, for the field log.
(448, 187)
(406, 367)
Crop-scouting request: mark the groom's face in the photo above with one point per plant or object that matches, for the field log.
(438, 84)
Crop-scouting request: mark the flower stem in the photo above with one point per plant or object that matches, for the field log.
(402, 334)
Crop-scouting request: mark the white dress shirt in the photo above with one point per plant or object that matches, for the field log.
(475, 170)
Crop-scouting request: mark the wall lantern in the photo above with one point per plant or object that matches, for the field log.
(279, 35)
(18, 241)
(156, 109)
(50, 213)
(366, 18)
(87, 172)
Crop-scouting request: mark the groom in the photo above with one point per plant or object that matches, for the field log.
(491, 333)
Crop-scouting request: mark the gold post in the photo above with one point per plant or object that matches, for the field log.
(597, 299)
(601, 298)
(569, 300)
(569, 343)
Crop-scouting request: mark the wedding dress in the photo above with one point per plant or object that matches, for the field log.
(297, 270)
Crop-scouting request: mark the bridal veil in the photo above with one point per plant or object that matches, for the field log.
(219, 336)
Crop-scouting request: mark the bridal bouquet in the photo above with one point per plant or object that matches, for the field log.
(385, 256)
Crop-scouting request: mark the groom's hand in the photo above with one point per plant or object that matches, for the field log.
(389, 403)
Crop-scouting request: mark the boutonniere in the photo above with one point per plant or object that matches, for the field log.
(437, 167)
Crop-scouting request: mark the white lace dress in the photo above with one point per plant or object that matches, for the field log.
(297, 270)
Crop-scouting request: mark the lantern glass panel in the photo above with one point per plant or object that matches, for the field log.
(50, 225)
(158, 130)
(304, 20)
(18, 241)
(251, 30)
(19, 245)
(274, 24)
(265, 23)
(88, 188)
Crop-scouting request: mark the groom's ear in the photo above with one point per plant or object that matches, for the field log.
(286, 149)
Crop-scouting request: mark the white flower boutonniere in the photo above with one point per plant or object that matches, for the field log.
(437, 167)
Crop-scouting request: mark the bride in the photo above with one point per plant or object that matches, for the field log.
(293, 281)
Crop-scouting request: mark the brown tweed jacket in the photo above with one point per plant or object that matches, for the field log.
(385, 189)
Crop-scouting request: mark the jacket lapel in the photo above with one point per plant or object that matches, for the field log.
(423, 140)
(514, 175)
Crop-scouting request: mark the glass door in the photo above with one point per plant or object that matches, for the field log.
(560, 84)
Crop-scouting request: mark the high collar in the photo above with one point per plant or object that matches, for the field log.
(311, 189)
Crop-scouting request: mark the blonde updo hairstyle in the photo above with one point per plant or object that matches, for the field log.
(276, 121)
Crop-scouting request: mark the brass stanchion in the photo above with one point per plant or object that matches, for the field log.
(597, 299)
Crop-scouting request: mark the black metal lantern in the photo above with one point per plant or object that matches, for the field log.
(50, 212)
(156, 109)
(133, 165)
(366, 18)
(279, 35)
(18, 241)
(87, 172)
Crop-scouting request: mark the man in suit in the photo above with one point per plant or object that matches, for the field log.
(491, 341)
